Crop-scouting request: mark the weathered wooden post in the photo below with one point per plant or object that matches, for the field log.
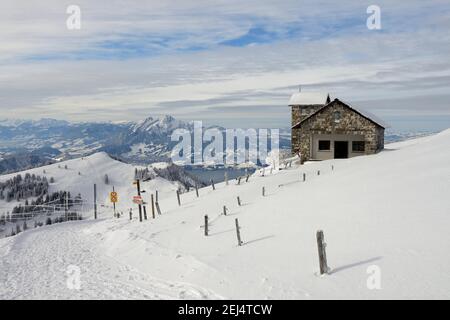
(212, 184)
(156, 195)
(178, 197)
(131, 214)
(206, 225)
(95, 201)
(239, 181)
(145, 212)
(153, 206)
(224, 210)
(238, 232)
(196, 189)
(304, 177)
(158, 208)
(239, 201)
(321, 245)
(263, 191)
(246, 179)
(318, 172)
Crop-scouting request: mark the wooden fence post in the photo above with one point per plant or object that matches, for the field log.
(332, 168)
(95, 201)
(156, 196)
(246, 179)
(212, 184)
(321, 245)
(318, 172)
(238, 232)
(178, 197)
(145, 212)
(196, 189)
(153, 206)
(263, 191)
(226, 178)
(157, 208)
(304, 177)
(224, 210)
(239, 181)
(239, 201)
(206, 225)
(131, 214)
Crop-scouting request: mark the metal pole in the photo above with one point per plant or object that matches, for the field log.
(138, 186)
(114, 205)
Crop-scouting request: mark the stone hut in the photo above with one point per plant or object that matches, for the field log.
(323, 129)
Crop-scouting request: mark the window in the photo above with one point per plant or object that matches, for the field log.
(324, 145)
(337, 116)
(358, 146)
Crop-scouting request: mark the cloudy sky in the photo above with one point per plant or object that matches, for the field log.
(233, 63)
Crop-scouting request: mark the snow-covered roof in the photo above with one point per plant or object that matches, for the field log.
(366, 114)
(302, 98)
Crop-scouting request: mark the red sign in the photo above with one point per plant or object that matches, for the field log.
(138, 200)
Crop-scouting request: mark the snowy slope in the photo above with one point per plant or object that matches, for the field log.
(391, 210)
(81, 175)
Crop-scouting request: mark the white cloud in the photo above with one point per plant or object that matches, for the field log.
(47, 70)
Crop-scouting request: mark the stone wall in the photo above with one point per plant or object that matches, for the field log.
(297, 116)
(324, 123)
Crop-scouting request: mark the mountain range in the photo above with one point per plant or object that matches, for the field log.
(29, 143)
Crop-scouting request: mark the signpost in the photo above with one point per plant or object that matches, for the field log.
(113, 197)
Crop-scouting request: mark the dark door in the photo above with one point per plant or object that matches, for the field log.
(341, 149)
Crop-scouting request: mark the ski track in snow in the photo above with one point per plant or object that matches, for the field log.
(102, 277)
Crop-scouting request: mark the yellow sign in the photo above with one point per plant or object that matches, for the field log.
(113, 197)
